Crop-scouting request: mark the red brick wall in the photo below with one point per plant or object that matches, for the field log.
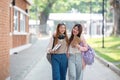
(21, 4)
(19, 40)
(11, 25)
(27, 25)
(4, 39)
(11, 19)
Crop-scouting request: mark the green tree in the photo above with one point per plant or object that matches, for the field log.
(44, 7)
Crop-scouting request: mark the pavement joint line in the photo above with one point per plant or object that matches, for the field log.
(32, 66)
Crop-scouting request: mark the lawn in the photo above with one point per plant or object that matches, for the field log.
(111, 50)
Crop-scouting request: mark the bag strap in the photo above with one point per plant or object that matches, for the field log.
(53, 42)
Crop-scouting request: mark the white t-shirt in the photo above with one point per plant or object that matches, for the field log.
(73, 50)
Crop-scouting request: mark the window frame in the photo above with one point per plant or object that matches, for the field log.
(16, 22)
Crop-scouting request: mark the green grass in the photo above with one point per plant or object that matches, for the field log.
(118, 66)
(111, 50)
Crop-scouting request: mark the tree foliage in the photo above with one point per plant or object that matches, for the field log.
(44, 7)
(63, 6)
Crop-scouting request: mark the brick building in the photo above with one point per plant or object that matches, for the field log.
(19, 28)
(4, 37)
(13, 31)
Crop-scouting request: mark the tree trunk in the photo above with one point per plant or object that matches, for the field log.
(116, 22)
(44, 15)
(116, 6)
(43, 21)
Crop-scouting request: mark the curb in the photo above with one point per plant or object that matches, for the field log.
(109, 65)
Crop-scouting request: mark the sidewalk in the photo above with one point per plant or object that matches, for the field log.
(42, 71)
(24, 61)
(31, 64)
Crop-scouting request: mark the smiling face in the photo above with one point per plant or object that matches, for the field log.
(75, 31)
(62, 29)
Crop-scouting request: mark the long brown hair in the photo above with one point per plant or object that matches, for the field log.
(79, 34)
(58, 33)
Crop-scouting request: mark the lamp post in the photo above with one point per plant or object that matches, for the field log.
(36, 12)
(103, 24)
(90, 32)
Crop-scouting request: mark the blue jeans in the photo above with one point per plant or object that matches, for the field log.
(59, 66)
(75, 71)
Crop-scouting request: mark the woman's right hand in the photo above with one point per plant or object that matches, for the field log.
(51, 51)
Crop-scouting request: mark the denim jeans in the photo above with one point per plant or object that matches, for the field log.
(75, 67)
(59, 66)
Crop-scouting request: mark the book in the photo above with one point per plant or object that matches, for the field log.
(56, 47)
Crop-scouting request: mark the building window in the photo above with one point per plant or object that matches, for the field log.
(22, 22)
(15, 20)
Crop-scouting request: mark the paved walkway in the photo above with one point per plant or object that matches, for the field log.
(24, 61)
(31, 64)
(42, 71)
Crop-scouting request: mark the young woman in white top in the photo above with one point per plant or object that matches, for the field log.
(75, 69)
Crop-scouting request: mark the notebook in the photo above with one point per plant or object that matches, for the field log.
(56, 47)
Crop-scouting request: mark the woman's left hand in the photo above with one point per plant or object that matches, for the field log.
(68, 55)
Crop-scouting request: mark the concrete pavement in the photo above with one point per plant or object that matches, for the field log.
(23, 62)
(42, 71)
(31, 64)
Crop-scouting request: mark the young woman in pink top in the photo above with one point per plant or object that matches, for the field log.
(75, 61)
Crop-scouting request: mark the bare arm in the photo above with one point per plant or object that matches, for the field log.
(49, 47)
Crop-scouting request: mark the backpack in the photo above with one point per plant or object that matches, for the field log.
(88, 56)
